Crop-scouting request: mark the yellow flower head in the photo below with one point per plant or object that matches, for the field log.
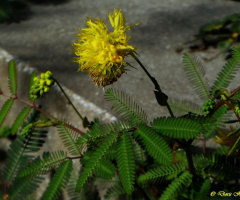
(100, 53)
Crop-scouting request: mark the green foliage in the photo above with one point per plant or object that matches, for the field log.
(178, 128)
(176, 186)
(228, 72)
(196, 74)
(69, 138)
(12, 77)
(58, 181)
(5, 109)
(184, 106)
(129, 158)
(124, 107)
(95, 159)
(115, 191)
(15, 156)
(125, 162)
(40, 166)
(204, 191)
(21, 188)
(19, 120)
(154, 144)
(159, 173)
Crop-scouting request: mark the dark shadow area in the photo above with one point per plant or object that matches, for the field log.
(3, 155)
(20, 12)
(48, 2)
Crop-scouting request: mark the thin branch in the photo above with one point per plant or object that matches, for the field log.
(42, 111)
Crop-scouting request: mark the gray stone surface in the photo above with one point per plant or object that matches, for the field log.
(44, 41)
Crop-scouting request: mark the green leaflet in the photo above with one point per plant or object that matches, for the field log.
(12, 76)
(222, 166)
(175, 187)
(22, 188)
(114, 191)
(5, 109)
(15, 154)
(184, 106)
(156, 174)
(97, 132)
(36, 138)
(104, 169)
(69, 138)
(95, 160)
(204, 191)
(71, 185)
(58, 181)
(196, 73)
(228, 72)
(154, 144)
(178, 128)
(43, 165)
(125, 107)
(19, 120)
(215, 121)
(125, 162)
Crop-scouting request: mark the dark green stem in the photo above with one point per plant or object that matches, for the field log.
(157, 87)
(69, 101)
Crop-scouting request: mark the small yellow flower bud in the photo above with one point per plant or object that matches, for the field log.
(46, 89)
(49, 82)
(36, 79)
(42, 75)
(42, 82)
(48, 75)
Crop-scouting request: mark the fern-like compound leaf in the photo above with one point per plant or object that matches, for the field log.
(215, 121)
(178, 128)
(12, 76)
(228, 72)
(19, 120)
(15, 155)
(222, 166)
(71, 186)
(69, 138)
(125, 162)
(39, 166)
(204, 191)
(98, 132)
(181, 107)
(157, 174)
(5, 109)
(105, 169)
(58, 181)
(176, 186)
(96, 158)
(36, 138)
(114, 191)
(196, 73)
(22, 188)
(155, 145)
(125, 107)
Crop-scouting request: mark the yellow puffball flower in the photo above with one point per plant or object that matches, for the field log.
(100, 53)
